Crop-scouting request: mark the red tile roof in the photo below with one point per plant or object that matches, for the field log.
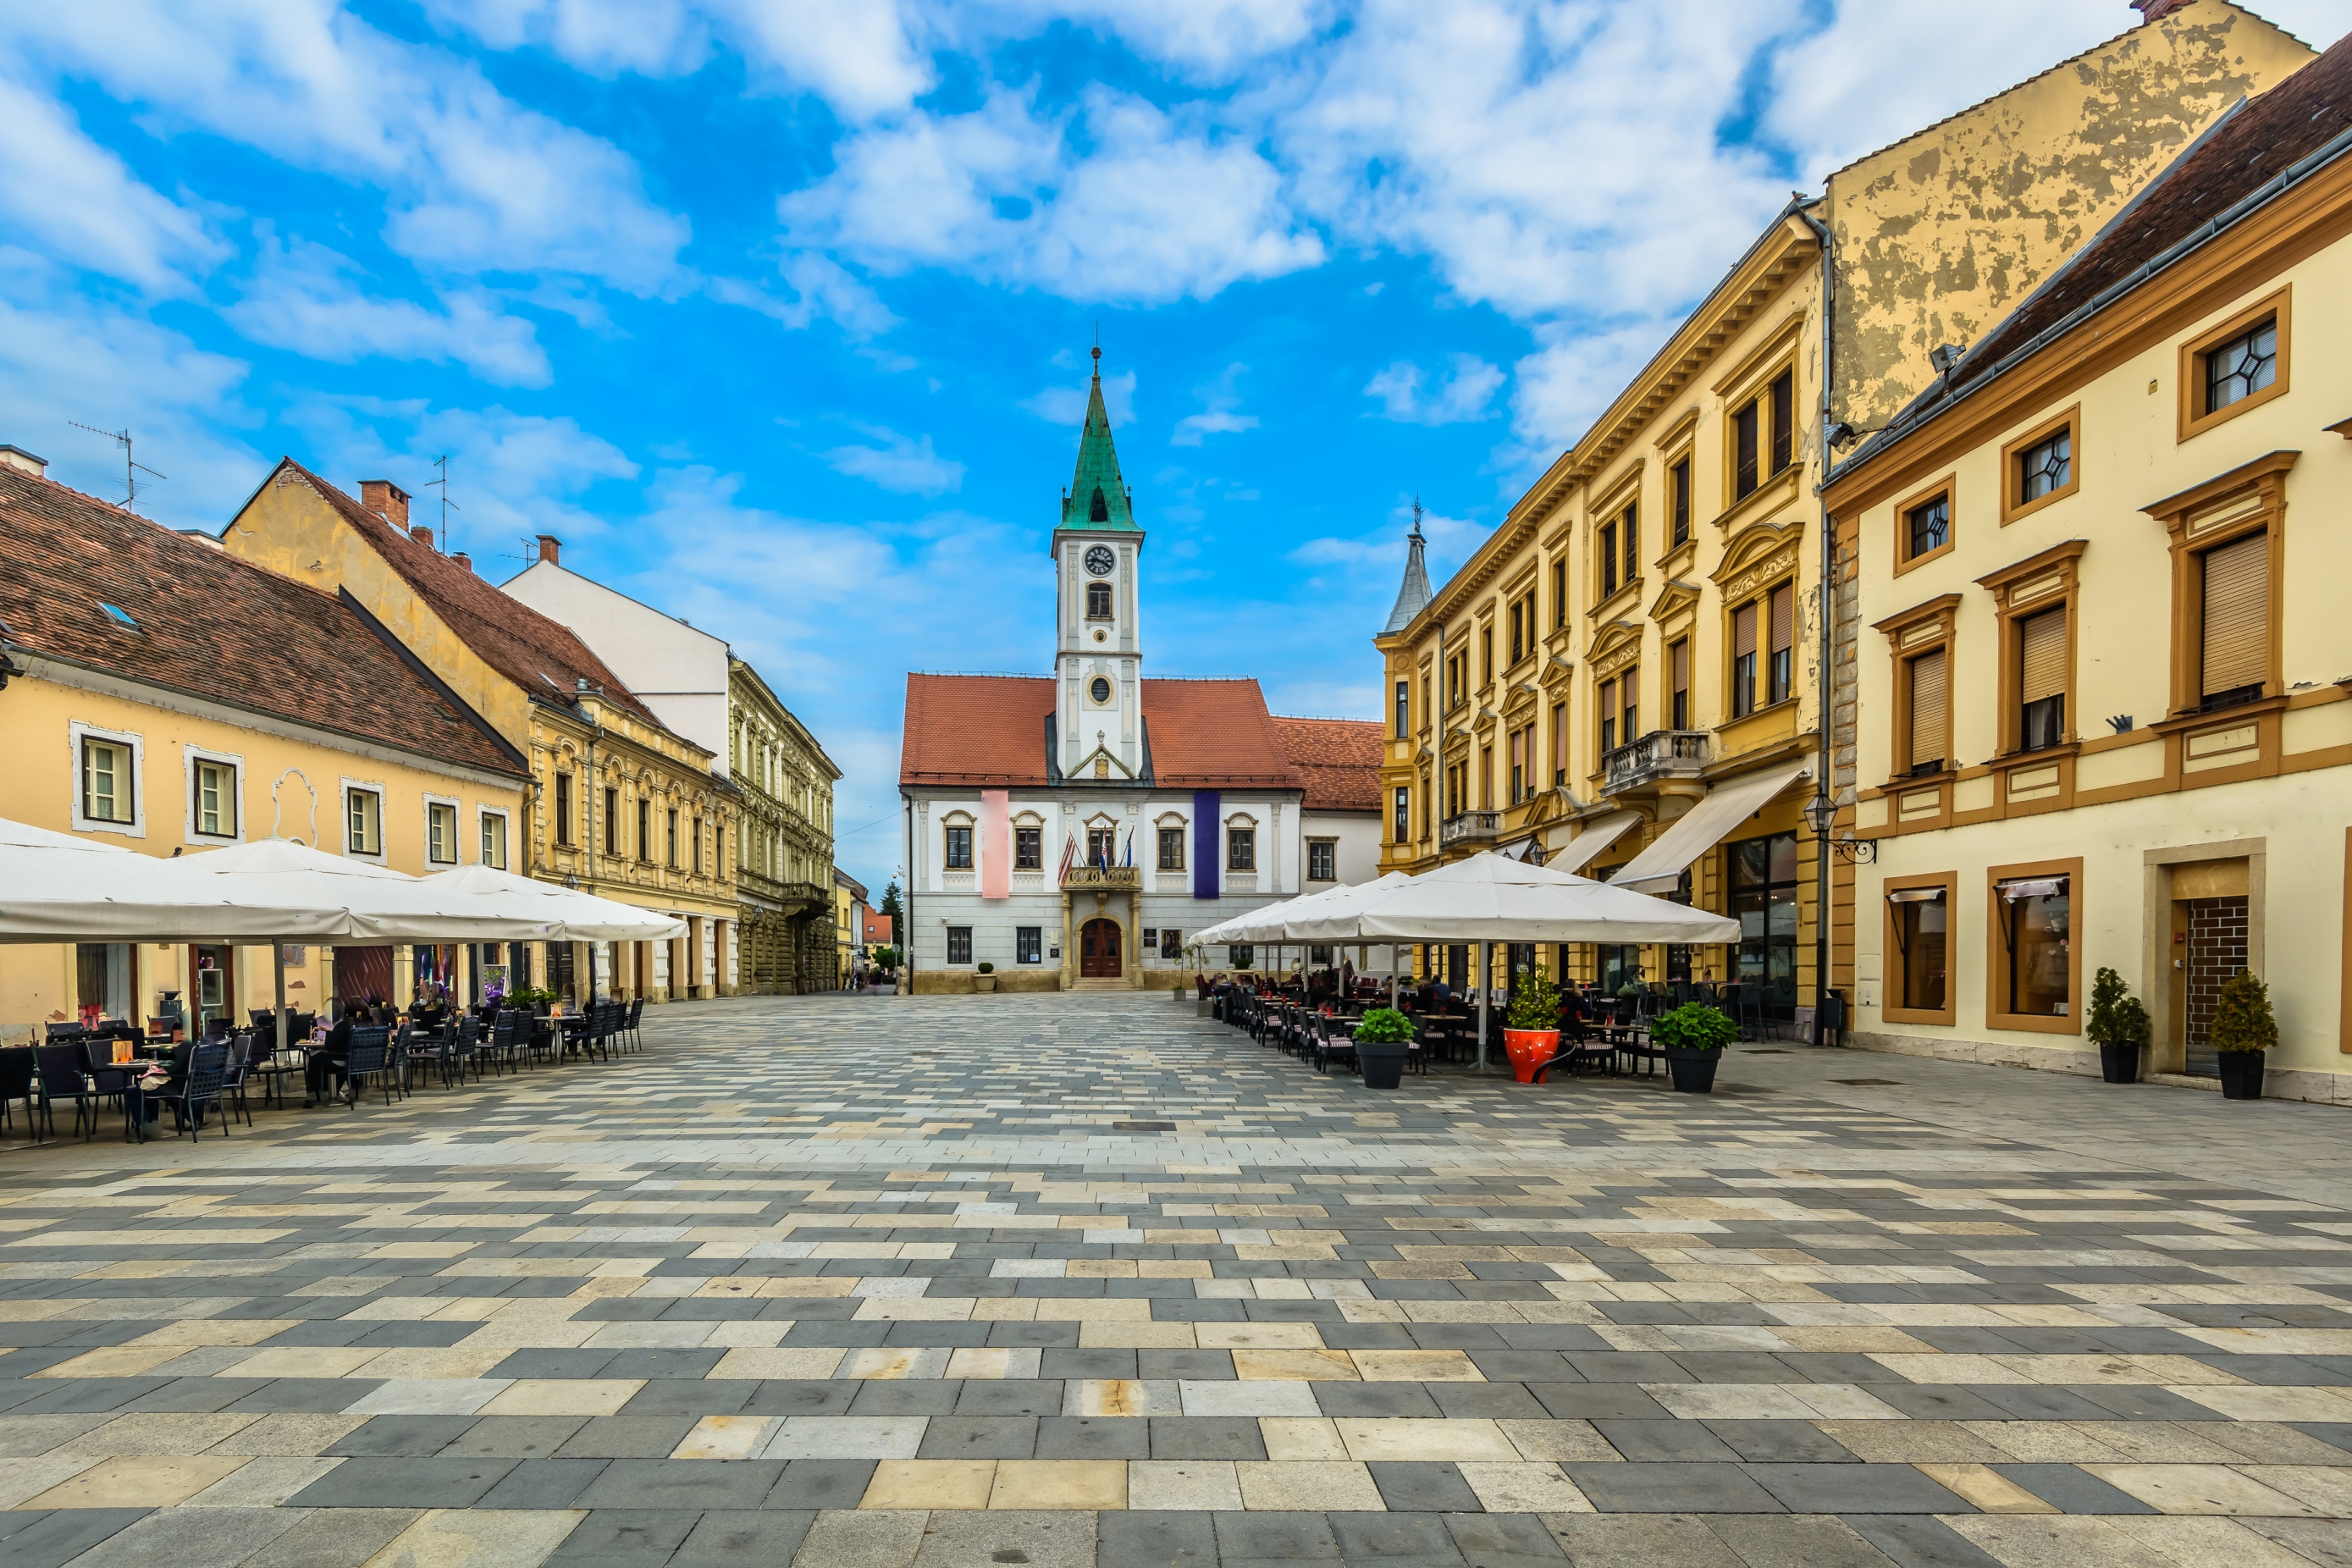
(542, 656)
(1214, 734)
(1338, 759)
(214, 626)
(990, 729)
(877, 928)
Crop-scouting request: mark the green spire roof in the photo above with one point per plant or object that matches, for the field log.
(1098, 497)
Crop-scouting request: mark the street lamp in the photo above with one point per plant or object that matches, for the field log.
(1821, 814)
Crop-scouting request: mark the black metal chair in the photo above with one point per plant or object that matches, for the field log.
(370, 1057)
(464, 1044)
(18, 1073)
(59, 1070)
(207, 1073)
(240, 1063)
(637, 1017)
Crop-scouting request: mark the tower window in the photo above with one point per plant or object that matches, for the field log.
(1101, 689)
(1097, 601)
(1098, 509)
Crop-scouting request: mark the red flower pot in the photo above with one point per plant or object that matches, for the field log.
(1529, 1049)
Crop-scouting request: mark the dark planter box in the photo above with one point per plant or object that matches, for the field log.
(2119, 1064)
(1382, 1063)
(2242, 1074)
(1693, 1071)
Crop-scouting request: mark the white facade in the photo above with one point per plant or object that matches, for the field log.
(678, 672)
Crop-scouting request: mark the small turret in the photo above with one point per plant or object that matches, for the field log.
(1414, 596)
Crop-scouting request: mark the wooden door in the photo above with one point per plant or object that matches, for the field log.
(1098, 949)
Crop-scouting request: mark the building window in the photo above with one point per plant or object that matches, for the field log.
(1678, 669)
(215, 806)
(1764, 429)
(1403, 803)
(1743, 658)
(2041, 466)
(363, 821)
(645, 831)
(1559, 593)
(1028, 944)
(563, 809)
(2035, 952)
(440, 833)
(107, 791)
(1606, 703)
(1485, 778)
(670, 859)
(1102, 845)
(2241, 367)
(1782, 674)
(1678, 492)
(1607, 550)
(1928, 679)
(1631, 527)
(694, 841)
(1241, 849)
(1172, 848)
(1744, 450)
(1919, 923)
(959, 944)
(1559, 742)
(1028, 849)
(1097, 601)
(1629, 687)
(718, 852)
(1172, 942)
(2042, 680)
(1519, 765)
(2236, 365)
(1764, 902)
(2045, 467)
(1403, 709)
(1322, 860)
(494, 840)
(1241, 955)
(1486, 655)
(958, 848)
(1927, 528)
(1783, 397)
(2234, 652)
(1518, 635)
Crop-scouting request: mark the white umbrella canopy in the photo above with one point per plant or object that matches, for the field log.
(1311, 918)
(58, 887)
(576, 916)
(1491, 898)
(375, 903)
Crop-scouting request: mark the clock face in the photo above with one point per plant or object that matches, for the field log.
(1099, 561)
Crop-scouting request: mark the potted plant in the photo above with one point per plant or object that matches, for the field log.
(1531, 1027)
(2243, 1029)
(986, 979)
(1383, 1035)
(1692, 1037)
(2118, 1025)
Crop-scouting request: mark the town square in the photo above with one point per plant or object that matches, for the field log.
(993, 782)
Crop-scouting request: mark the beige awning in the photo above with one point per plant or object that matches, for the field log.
(1701, 828)
(1587, 846)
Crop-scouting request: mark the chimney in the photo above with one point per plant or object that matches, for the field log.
(550, 547)
(423, 534)
(18, 457)
(386, 500)
(462, 559)
(2149, 10)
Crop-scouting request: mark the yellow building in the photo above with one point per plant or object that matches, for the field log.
(791, 932)
(2103, 717)
(1626, 677)
(162, 696)
(849, 908)
(621, 805)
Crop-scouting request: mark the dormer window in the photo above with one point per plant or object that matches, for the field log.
(1098, 509)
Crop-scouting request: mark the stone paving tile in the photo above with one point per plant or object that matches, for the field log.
(862, 1306)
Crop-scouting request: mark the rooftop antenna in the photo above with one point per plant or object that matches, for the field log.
(442, 463)
(130, 471)
(1416, 515)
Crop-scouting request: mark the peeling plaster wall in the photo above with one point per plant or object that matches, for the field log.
(1941, 235)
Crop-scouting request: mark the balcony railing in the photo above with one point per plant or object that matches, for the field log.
(1103, 878)
(1470, 827)
(1660, 754)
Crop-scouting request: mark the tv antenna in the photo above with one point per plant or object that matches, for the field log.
(442, 463)
(130, 471)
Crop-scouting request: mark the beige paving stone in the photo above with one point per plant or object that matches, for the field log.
(2199, 1489)
(563, 1397)
(2250, 1402)
(478, 1538)
(1855, 1340)
(976, 1360)
(1094, 1310)
(114, 1361)
(1294, 1365)
(262, 1483)
(847, 1438)
(1194, 1485)
(785, 1363)
(927, 1308)
(1173, 1268)
(2159, 1442)
(1295, 1438)
(727, 1437)
(657, 1335)
(1100, 1336)
(890, 1364)
(22, 1479)
(1987, 1490)
(748, 1334)
(2206, 1542)
(25, 1436)
(160, 1433)
(1004, 1310)
(929, 1484)
(1418, 1437)
(152, 1480)
(2056, 1541)
(1912, 1442)
(2326, 1488)
(1416, 1366)
(1225, 1397)
(2043, 1442)
(1122, 1396)
(1257, 1336)
(427, 1396)
(217, 1332)
(863, 1537)
(1101, 1268)
(1059, 1484)
(1307, 1487)
(1730, 1401)
(307, 1360)
(806, 1286)
(1529, 1487)
(2268, 1443)
(1557, 1440)
(2080, 1370)
(1950, 1369)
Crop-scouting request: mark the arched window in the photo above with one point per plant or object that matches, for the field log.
(1099, 510)
(1097, 601)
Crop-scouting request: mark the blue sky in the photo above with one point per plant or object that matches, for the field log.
(778, 312)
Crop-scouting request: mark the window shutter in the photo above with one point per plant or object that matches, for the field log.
(1682, 666)
(1928, 706)
(2237, 614)
(1784, 617)
(2041, 656)
(1608, 698)
(1743, 631)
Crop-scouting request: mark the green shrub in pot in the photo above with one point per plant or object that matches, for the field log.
(1384, 1026)
(1535, 1004)
(1694, 1027)
(987, 968)
(2117, 1017)
(2242, 1016)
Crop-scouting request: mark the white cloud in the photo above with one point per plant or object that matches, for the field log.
(79, 202)
(1574, 373)
(304, 297)
(906, 465)
(821, 288)
(1469, 386)
(1220, 416)
(1114, 200)
(1067, 405)
(1213, 39)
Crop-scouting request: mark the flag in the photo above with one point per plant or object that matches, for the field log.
(1129, 859)
(1069, 853)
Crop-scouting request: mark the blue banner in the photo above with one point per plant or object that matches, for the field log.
(1207, 806)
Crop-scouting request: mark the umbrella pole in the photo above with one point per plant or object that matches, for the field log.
(1393, 975)
(278, 967)
(1486, 983)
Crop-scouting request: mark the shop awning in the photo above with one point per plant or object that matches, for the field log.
(1701, 828)
(2033, 887)
(1914, 895)
(1587, 846)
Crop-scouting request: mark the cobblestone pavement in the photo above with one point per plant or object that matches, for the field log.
(920, 1283)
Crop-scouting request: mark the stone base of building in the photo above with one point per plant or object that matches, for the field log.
(958, 982)
(2083, 1061)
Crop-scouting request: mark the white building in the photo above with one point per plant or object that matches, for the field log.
(1071, 830)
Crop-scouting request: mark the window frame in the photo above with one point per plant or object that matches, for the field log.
(1029, 859)
(1328, 851)
(1754, 400)
(79, 737)
(959, 936)
(644, 830)
(1890, 959)
(1559, 592)
(1997, 961)
(1605, 559)
(194, 759)
(2194, 420)
(1241, 834)
(1560, 741)
(483, 816)
(1679, 703)
(355, 789)
(1681, 494)
(955, 847)
(2012, 453)
(1947, 488)
(1100, 593)
(1923, 629)
(1400, 823)
(1028, 944)
(559, 809)
(1170, 836)
(2247, 499)
(455, 808)
(1403, 709)
(2018, 594)
(671, 840)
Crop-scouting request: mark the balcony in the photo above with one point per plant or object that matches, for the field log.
(1104, 880)
(1657, 756)
(1470, 827)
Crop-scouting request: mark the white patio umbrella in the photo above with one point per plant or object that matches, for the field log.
(575, 916)
(58, 887)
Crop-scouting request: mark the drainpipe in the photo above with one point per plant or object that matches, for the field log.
(1828, 619)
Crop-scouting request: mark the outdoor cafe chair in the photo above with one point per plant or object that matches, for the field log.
(499, 1048)
(630, 1025)
(370, 1057)
(465, 1044)
(207, 1072)
(17, 1075)
(59, 1070)
(241, 1062)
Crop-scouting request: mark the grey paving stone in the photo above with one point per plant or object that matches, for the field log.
(1668, 1488)
(386, 1436)
(813, 1484)
(847, 1538)
(1190, 1366)
(1268, 1540)
(979, 1437)
(2336, 1433)
(164, 1539)
(306, 1395)
(1204, 1437)
(45, 1539)
(1778, 1442)
(1503, 1541)
(514, 1437)
(195, 1394)
(551, 1364)
(1396, 1539)
(1494, 1401)
(1916, 1541)
(333, 1538)
(1782, 1541)
(625, 1538)
(1145, 1538)
(783, 1398)
(1654, 1440)
(1375, 1399)
(1094, 1437)
(681, 1393)
(1597, 1402)
(1009, 1396)
(2037, 1402)
(2073, 1490)
(1424, 1486)
(985, 1539)
(1938, 1402)
(908, 1396)
(627, 1437)
(544, 1483)
(2142, 1402)
(682, 1484)
(1064, 1364)
(404, 1482)
(1856, 1488)
(1668, 1541)
(732, 1537)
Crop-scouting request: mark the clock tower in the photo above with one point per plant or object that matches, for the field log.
(1098, 639)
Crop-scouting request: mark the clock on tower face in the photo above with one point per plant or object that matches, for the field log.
(1099, 561)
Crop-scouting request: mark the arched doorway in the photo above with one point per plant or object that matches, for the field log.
(1098, 949)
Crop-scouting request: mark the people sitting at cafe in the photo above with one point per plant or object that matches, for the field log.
(329, 1062)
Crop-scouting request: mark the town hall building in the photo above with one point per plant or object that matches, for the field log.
(1070, 830)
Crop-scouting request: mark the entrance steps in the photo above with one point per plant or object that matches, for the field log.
(1102, 982)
